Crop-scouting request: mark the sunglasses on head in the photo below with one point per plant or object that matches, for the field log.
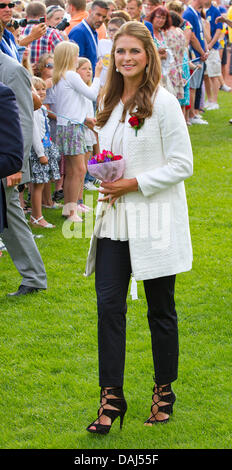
(4, 5)
(49, 66)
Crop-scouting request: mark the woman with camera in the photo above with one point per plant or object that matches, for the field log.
(46, 43)
(55, 19)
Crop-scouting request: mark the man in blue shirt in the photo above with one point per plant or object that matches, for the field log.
(7, 44)
(223, 48)
(134, 8)
(85, 34)
(213, 63)
(192, 15)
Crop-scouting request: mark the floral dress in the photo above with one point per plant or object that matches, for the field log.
(175, 39)
(43, 145)
(165, 63)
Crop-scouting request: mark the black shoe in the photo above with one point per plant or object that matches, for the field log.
(58, 195)
(163, 399)
(23, 290)
(119, 407)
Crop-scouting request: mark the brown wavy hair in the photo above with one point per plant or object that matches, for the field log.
(113, 89)
(162, 11)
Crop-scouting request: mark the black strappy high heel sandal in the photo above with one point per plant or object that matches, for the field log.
(118, 403)
(167, 397)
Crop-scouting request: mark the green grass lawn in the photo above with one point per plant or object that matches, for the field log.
(48, 356)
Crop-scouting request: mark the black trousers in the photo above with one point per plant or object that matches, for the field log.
(112, 276)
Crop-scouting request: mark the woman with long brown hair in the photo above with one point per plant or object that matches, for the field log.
(145, 229)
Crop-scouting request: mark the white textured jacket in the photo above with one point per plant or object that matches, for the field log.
(160, 157)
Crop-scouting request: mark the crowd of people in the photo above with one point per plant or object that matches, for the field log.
(64, 49)
(47, 38)
(72, 78)
(192, 46)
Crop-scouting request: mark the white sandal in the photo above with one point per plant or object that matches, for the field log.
(34, 221)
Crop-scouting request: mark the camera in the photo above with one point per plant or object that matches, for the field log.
(40, 20)
(17, 23)
(63, 24)
(23, 22)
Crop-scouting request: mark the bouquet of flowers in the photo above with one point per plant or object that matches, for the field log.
(106, 166)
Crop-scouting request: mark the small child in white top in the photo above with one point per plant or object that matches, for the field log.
(105, 45)
(44, 157)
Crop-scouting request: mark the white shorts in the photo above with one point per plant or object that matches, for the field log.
(213, 64)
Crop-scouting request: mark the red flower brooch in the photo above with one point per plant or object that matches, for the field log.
(136, 123)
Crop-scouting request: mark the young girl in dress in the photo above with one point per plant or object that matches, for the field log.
(85, 71)
(71, 107)
(45, 70)
(44, 158)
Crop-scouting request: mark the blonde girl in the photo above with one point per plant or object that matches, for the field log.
(71, 106)
(85, 71)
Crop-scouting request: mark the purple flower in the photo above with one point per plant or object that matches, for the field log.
(92, 161)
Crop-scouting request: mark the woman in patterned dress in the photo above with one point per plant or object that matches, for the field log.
(161, 21)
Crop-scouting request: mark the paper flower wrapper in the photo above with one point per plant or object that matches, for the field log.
(106, 166)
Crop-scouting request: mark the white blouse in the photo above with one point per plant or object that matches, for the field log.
(70, 93)
(113, 221)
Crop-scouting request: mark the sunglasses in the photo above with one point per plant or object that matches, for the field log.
(49, 66)
(4, 5)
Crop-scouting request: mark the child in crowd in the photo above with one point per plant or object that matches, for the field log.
(71, 106)
(44, 70)
(44, 158)
(105, 45)
(85, 70)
